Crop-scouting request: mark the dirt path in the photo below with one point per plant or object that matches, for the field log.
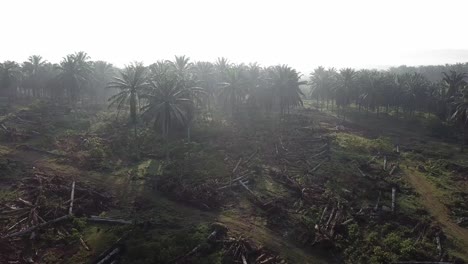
(428, 195)
(273, 241)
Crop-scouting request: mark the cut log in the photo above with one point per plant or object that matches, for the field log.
(28, 203)
(17, 223)
(393, 199)
(251, 157)
(195, 249)
(111, 253)
(372, 159)
(247, 188)
(347, 221)
(31, 229)
(336, 219)
(110, 256)
(234, 171)
(282, 146)
(323, 214)
(72, 198)
(330, 218)
(244, 260)
(393, 169)
(26, 147)
(318, 154)
(83, 243)
(237, 165)
(378, 201)
(362, 173)
(385, 163)
(439, 245)
(318, 166)
(97, 219)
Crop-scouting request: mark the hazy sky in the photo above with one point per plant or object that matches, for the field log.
(303, 34)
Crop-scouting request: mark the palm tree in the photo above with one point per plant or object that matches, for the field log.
(75, 70)
(182, 65)
(101, 75)
(132, 81)
(417, 91)
(454, 81)
(221, 66)
(9, 74)
(345, 88)
(461, 116)
(32, 69)
(321, 82)
(286, 85)
(169, 102)
(204, 73)
(233, 90)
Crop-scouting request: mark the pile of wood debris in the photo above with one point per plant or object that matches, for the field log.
(39, 216)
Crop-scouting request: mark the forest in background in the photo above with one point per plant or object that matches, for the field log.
(188, 87)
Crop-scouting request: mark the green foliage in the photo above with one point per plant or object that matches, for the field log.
(360, 144)
(97, 154)
(164, 247)
(384, 244)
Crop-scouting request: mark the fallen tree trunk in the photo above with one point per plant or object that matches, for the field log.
(72, 198)
(110, 256)
(26, 147)
(393, 169)
(378, 202)
(97, 219)
(39, 226)
(318, 166)
(111, 253)
(218, 229)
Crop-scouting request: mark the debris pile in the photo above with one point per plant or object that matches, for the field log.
(40, 216)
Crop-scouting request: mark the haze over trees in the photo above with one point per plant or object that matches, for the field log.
(171, 94)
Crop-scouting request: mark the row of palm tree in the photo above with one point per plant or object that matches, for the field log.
(172, 93)
(385, 91)
(74, 79)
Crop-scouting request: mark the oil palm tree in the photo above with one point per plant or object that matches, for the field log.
(345, 88)
(75, 70)
(204, 73)
(131, 83)
(9, 75)
(454, 81)
(321, 83)
(169, 102)
(286, 84)
(32, 69)
(221, 67)
(181, 65)
(233, 90)
(101, 75)
(461, 116)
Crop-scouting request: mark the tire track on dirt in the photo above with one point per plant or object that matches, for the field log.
(437, 209)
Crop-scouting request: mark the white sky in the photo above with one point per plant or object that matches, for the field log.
(303, 34)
